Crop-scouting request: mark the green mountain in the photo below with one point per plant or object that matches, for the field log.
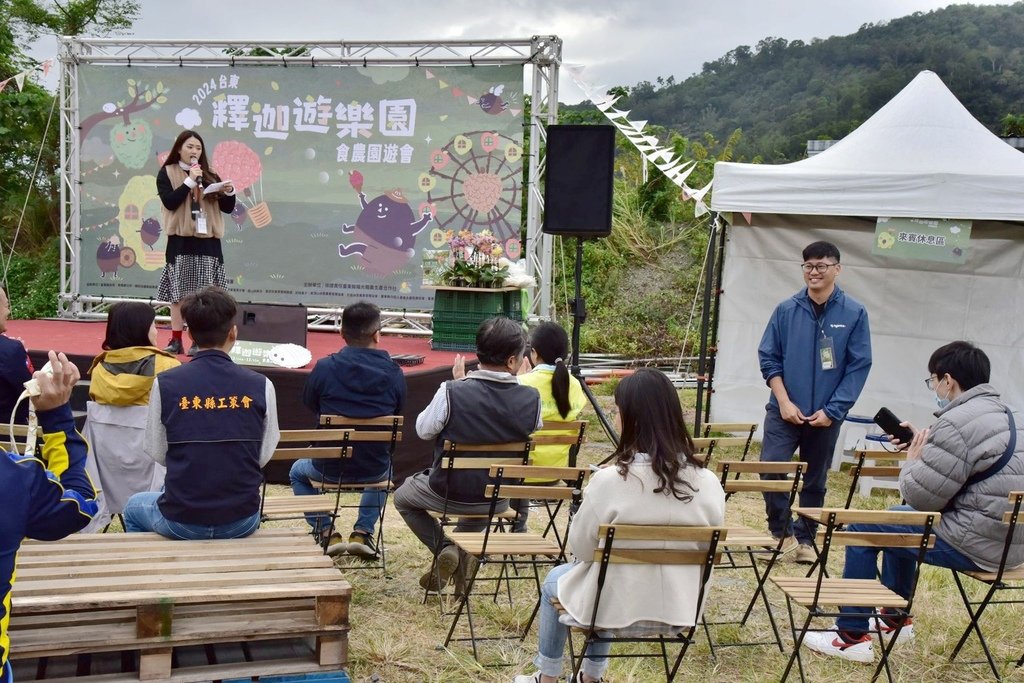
(783, 93)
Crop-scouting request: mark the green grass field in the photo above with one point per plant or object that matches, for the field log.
(396, 638)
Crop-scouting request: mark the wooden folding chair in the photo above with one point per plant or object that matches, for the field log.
(817, 592)
(862, 473)
(468, 457)
(571, 435)
(385, 429)
(1003, 579)
(296, 444)
(489, 547)
(608, 553)
(746, 545)
(738, 434)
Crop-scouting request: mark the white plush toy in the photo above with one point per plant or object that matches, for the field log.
(517, 276)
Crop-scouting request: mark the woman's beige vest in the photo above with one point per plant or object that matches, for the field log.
(180, 221)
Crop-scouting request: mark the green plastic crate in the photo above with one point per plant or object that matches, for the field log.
(487, 303)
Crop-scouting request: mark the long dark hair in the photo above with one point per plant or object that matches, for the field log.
(551, 343)
(209, 175)
(652, 423)
(128, 324)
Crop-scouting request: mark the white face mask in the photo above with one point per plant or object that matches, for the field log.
(939, 401)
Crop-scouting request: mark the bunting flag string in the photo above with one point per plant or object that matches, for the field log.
(19, 78)
(663, 158)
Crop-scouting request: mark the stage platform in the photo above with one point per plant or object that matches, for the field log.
(81, 340)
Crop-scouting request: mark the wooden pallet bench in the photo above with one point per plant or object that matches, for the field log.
(150, 598)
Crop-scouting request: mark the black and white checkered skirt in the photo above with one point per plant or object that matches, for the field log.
(190, 273)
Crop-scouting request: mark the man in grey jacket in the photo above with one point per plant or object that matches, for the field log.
(955, 466)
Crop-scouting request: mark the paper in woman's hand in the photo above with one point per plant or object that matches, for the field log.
(216, 187)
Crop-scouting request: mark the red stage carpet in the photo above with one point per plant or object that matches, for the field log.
(84, 338)
(81, 340)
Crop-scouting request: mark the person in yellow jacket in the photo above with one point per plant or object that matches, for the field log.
(115, 426)
(561, 397)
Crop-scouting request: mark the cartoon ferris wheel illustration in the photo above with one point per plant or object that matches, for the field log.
(477, 176)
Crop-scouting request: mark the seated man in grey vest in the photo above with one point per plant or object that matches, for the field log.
(485, 406)
(213, 424)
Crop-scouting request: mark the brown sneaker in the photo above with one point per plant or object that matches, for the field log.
(438, 576)
(788, 544)
(468, 564)
(805, 554)
(336, 545)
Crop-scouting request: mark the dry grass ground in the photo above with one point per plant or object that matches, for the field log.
(396, 638)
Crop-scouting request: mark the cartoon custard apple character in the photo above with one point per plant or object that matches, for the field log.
(150, 232)
(131, 142)
(491, 102)
(108, 256)
(385, 231)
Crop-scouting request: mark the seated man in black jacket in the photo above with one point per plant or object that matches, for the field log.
(359, 381)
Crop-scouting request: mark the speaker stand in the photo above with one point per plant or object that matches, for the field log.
(579, 316)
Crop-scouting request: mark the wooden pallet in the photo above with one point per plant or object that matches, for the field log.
(148, 596)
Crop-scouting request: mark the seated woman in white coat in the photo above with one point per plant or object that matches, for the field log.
(654, 479)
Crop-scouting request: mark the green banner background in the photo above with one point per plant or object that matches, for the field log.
(297, 142)
(923, 239)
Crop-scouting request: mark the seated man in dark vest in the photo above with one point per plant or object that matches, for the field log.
(486, 406)
(213, 424)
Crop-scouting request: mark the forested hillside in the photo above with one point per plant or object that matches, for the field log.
(783, 93)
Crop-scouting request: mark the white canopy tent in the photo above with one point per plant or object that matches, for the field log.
(922, 155)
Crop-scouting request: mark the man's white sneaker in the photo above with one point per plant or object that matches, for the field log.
(831, 644)
(906, 633)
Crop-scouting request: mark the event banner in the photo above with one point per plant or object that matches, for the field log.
(923, 239)
(347, 177)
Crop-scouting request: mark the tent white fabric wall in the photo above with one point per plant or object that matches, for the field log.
(913, 306)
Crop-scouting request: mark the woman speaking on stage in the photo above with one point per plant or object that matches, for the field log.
(193, 218)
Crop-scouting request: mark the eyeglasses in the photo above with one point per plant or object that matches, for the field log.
(817, 267)
(931, 382)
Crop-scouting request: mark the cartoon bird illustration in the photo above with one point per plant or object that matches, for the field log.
(108, 256)
(150, 232)
(491, 102)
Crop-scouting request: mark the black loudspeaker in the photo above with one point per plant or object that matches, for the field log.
(277, 323)
(578, 181)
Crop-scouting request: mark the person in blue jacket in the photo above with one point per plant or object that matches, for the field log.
(815, 356)
(45, 497)
(358, 381)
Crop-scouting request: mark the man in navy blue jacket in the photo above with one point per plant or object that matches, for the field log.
(45, 497)
(359, 381)
(815, 356)
(213, 424)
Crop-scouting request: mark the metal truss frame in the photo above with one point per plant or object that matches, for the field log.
(542, 54)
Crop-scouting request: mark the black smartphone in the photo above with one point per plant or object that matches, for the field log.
(890, 424)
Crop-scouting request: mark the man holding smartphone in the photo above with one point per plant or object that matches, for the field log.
(815, 356)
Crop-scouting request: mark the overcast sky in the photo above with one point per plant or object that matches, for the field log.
(620, 43)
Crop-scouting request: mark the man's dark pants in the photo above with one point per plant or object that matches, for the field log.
(816, 444)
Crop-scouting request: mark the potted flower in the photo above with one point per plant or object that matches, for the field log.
(473, 261)
(470, 288)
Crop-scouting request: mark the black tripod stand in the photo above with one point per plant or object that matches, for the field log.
(579, 316)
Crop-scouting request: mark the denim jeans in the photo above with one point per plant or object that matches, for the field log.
(898, 566)
(781, 439)
(141, 513)
(552, 634)
(6, 673)
(303, 472)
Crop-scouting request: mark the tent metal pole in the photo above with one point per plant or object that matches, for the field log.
(716, 311)
(705, 322)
